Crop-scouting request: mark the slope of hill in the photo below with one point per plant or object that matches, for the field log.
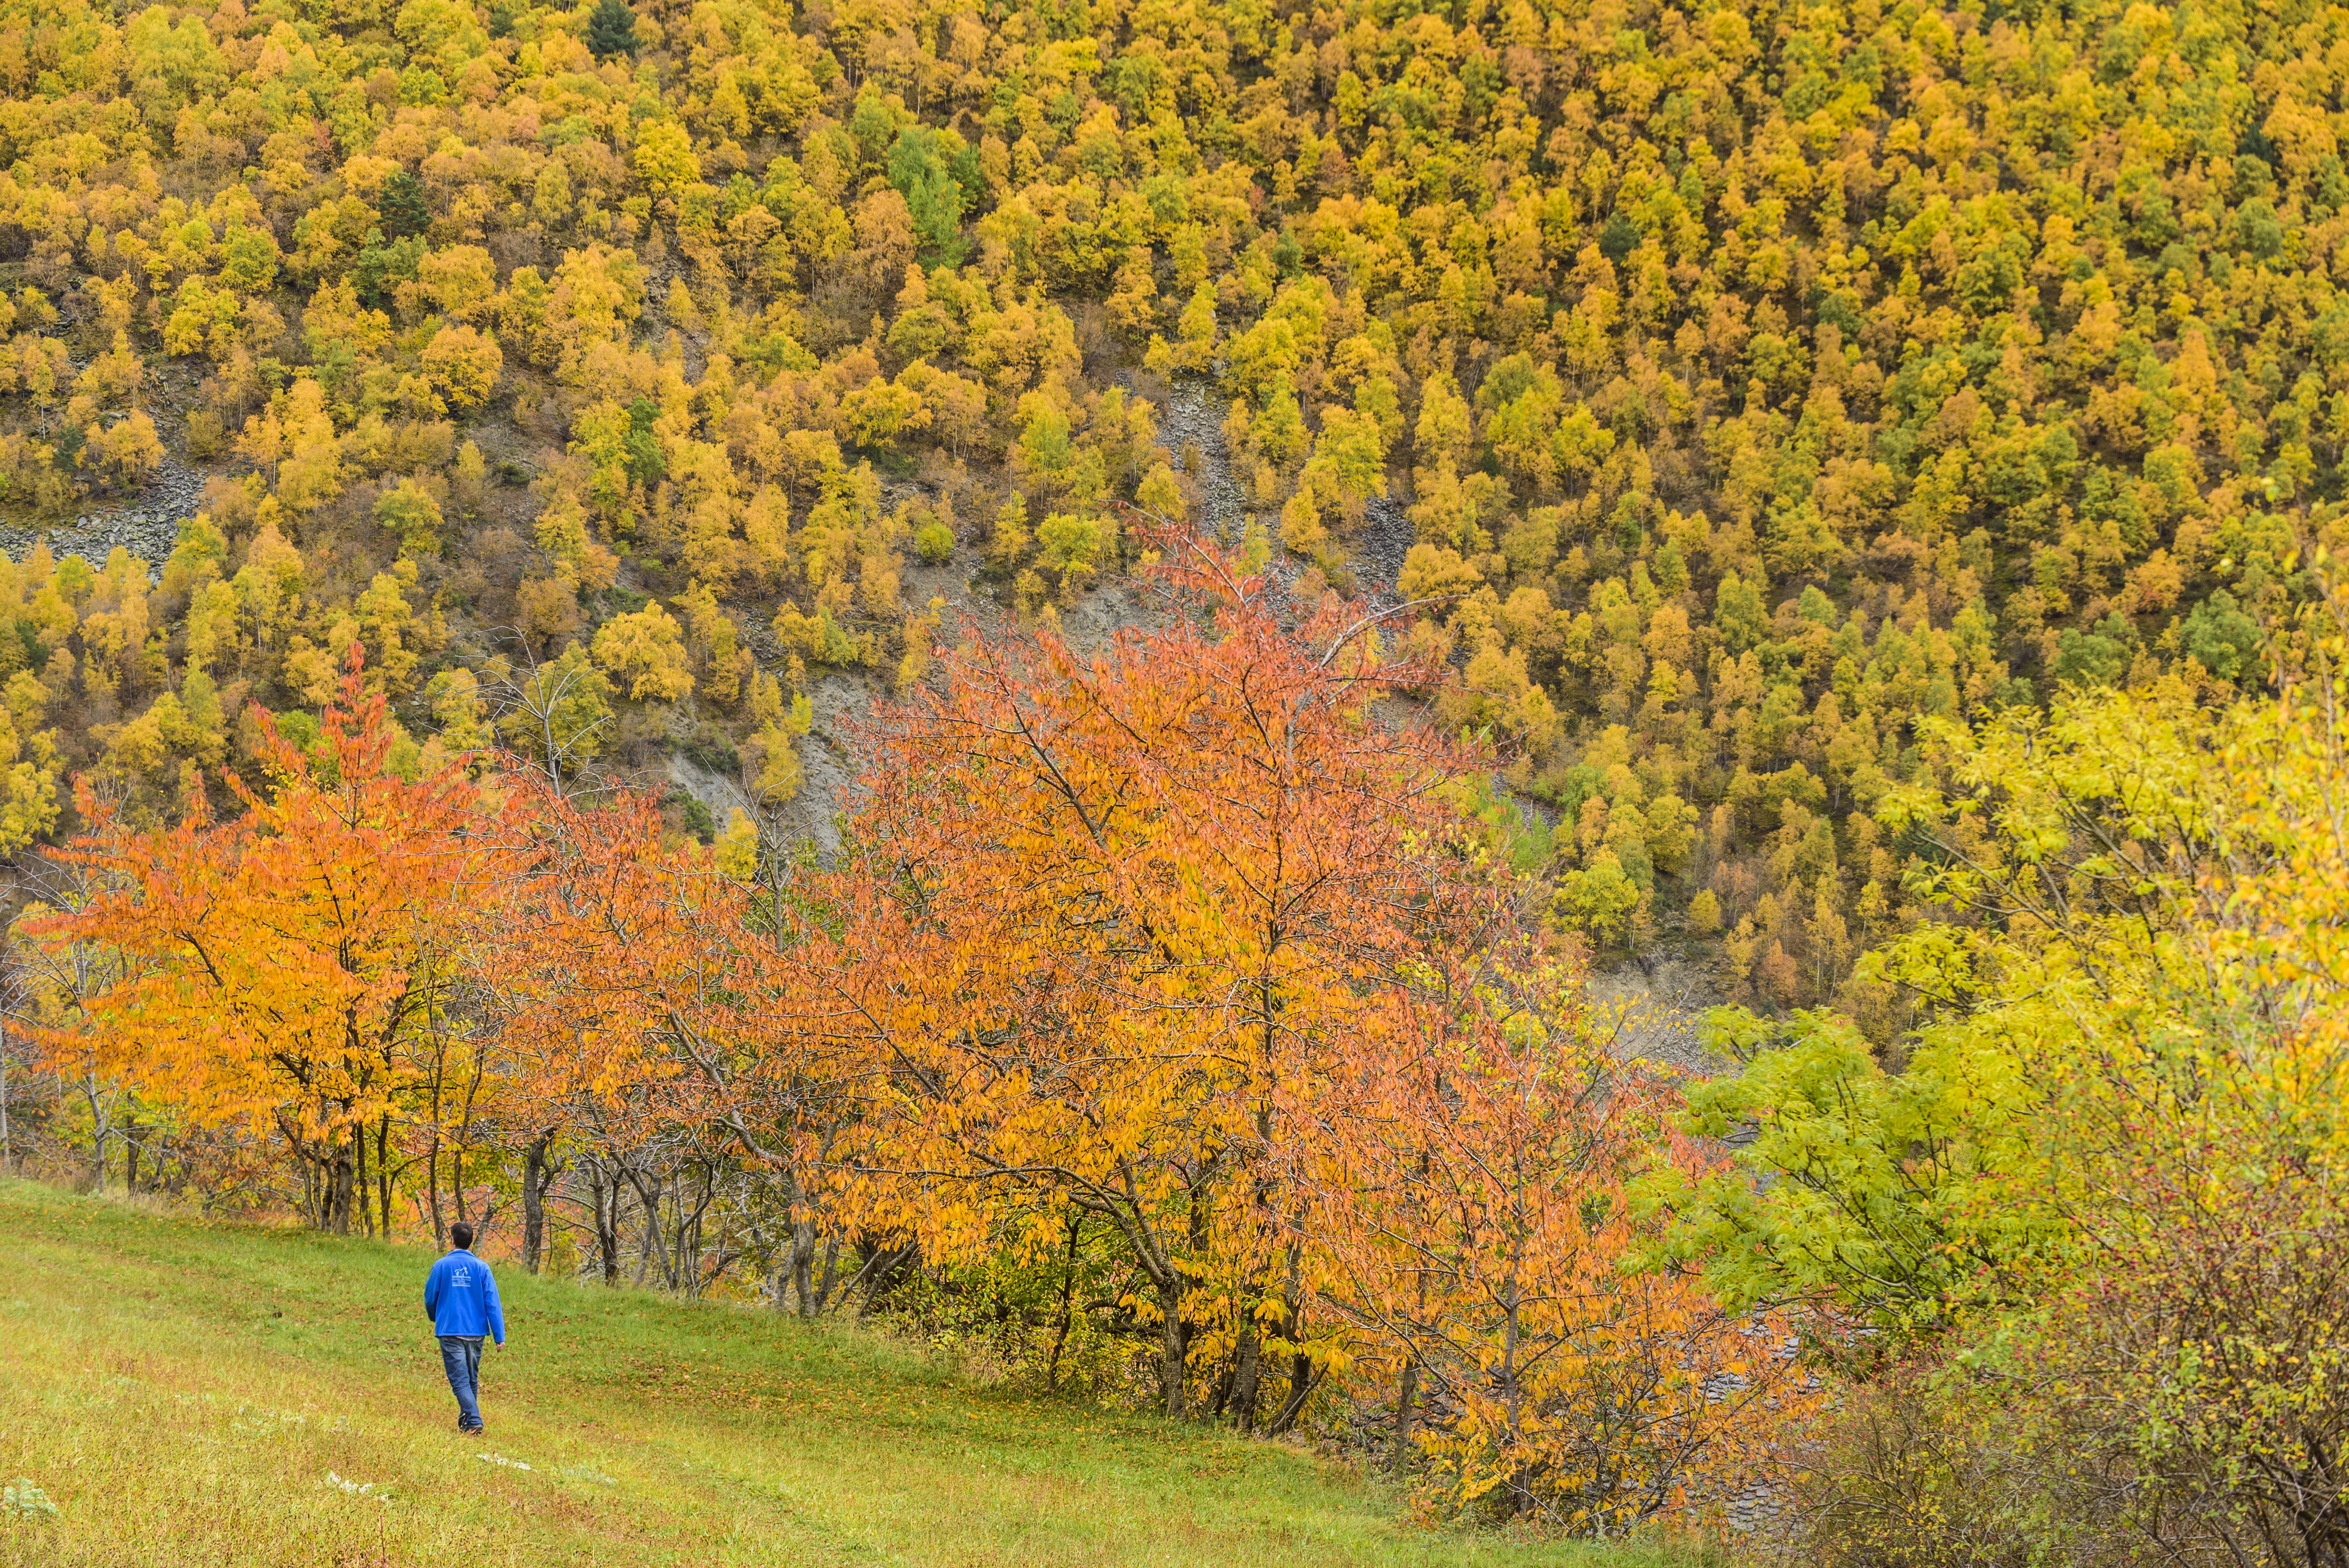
(1737, 384)
(188, 1392)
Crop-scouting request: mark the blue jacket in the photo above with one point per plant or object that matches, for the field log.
(461, 1296)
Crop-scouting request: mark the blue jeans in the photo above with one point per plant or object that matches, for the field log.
(460, 1357)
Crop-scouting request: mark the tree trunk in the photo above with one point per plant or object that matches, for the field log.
(1067, 1304)
(383, 1171)
(1171, 1348)
(830, 1275)
(1520, 1495)
(537, 1176)
(604, 1195)
(1399, 1458)
(1300, 1366)
(802, 1258)
(648, 1194)
(1247, 1379)
(359, 1178)
(886, 1269)
(432, 1191)
(339, 1188)
(1302, 1382)
(98, 1130)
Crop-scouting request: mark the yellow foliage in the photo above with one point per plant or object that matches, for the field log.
(645, 650)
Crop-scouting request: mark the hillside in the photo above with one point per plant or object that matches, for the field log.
(1738, 387)
(182, 1391)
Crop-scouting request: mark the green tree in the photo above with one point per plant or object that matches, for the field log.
(249, 260)
(2099, 657)
(409, 510)
(2101, 1184)
(401, 209)
(612, 30)
(2220, 638)
(919, 168)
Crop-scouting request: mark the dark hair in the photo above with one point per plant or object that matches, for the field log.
(460, 1234)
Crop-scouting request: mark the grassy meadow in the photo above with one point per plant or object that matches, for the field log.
(188, 1392)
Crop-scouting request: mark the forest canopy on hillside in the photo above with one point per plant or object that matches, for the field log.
(1754, 382)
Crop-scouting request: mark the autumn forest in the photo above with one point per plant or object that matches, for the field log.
(1056, 676)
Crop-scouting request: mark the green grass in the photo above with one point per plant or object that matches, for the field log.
(182, 1391)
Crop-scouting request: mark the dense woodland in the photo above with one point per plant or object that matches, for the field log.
(1870, 476)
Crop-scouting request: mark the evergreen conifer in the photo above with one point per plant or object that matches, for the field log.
(401, 206)
(612, 30)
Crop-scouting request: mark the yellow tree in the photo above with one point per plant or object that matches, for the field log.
(646, 649)
(2109, 1166)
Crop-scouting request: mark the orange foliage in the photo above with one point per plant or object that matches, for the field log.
(279, 970)
(642, 996)
(1473, 1204)
(1120, 916)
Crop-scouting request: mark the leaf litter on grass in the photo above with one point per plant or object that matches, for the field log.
(357, 1488)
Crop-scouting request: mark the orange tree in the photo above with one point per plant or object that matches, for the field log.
(278, 970)
(643, 1000)
(1110, 919)
(1188, 941)
(563, 1019)
(1475, 1214)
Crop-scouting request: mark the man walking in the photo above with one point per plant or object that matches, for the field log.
(460, 1297)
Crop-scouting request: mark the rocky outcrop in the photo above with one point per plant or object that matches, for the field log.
(148, 528)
